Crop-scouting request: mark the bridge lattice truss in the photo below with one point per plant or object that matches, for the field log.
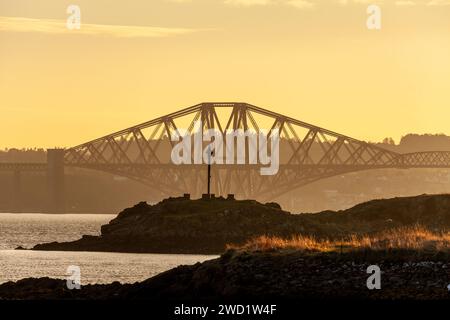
(307, 153)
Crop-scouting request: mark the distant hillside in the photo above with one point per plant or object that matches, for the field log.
(23, 155)
(418, 142)
(411, 142)
(99, 192)
(180, 225)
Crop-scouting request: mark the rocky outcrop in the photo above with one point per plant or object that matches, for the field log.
(179, 225)
(430, 211)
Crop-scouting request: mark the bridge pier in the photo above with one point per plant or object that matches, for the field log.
(16, 192)
(55, 181)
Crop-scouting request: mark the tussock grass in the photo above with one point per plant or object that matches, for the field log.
(415, 238)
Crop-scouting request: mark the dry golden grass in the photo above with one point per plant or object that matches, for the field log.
(408, 238)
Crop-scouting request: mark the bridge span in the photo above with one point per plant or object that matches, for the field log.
(307, 153)
(54, 170)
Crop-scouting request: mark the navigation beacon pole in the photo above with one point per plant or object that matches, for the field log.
(210, 153)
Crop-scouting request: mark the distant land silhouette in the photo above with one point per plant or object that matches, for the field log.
(97, 192)
(411, 142)
(418, 142)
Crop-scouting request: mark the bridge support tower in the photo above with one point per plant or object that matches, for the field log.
(55, 181)
(16, 192)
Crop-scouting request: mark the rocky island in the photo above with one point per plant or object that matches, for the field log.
(207, 226)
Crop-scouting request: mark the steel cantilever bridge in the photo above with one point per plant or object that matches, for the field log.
(307, 153)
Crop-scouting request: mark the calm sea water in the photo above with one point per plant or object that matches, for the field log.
(26, 230)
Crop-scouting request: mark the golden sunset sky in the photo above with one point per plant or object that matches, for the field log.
(133, 61)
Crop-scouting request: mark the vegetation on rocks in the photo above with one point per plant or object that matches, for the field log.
(415, 240)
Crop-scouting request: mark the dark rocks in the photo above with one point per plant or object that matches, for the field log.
(260, 275)
(273, 205)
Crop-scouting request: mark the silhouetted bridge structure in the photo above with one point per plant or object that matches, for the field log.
(307, 153)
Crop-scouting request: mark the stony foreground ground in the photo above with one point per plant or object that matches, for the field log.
(281, 275)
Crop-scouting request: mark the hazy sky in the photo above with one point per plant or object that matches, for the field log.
(132, 61)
